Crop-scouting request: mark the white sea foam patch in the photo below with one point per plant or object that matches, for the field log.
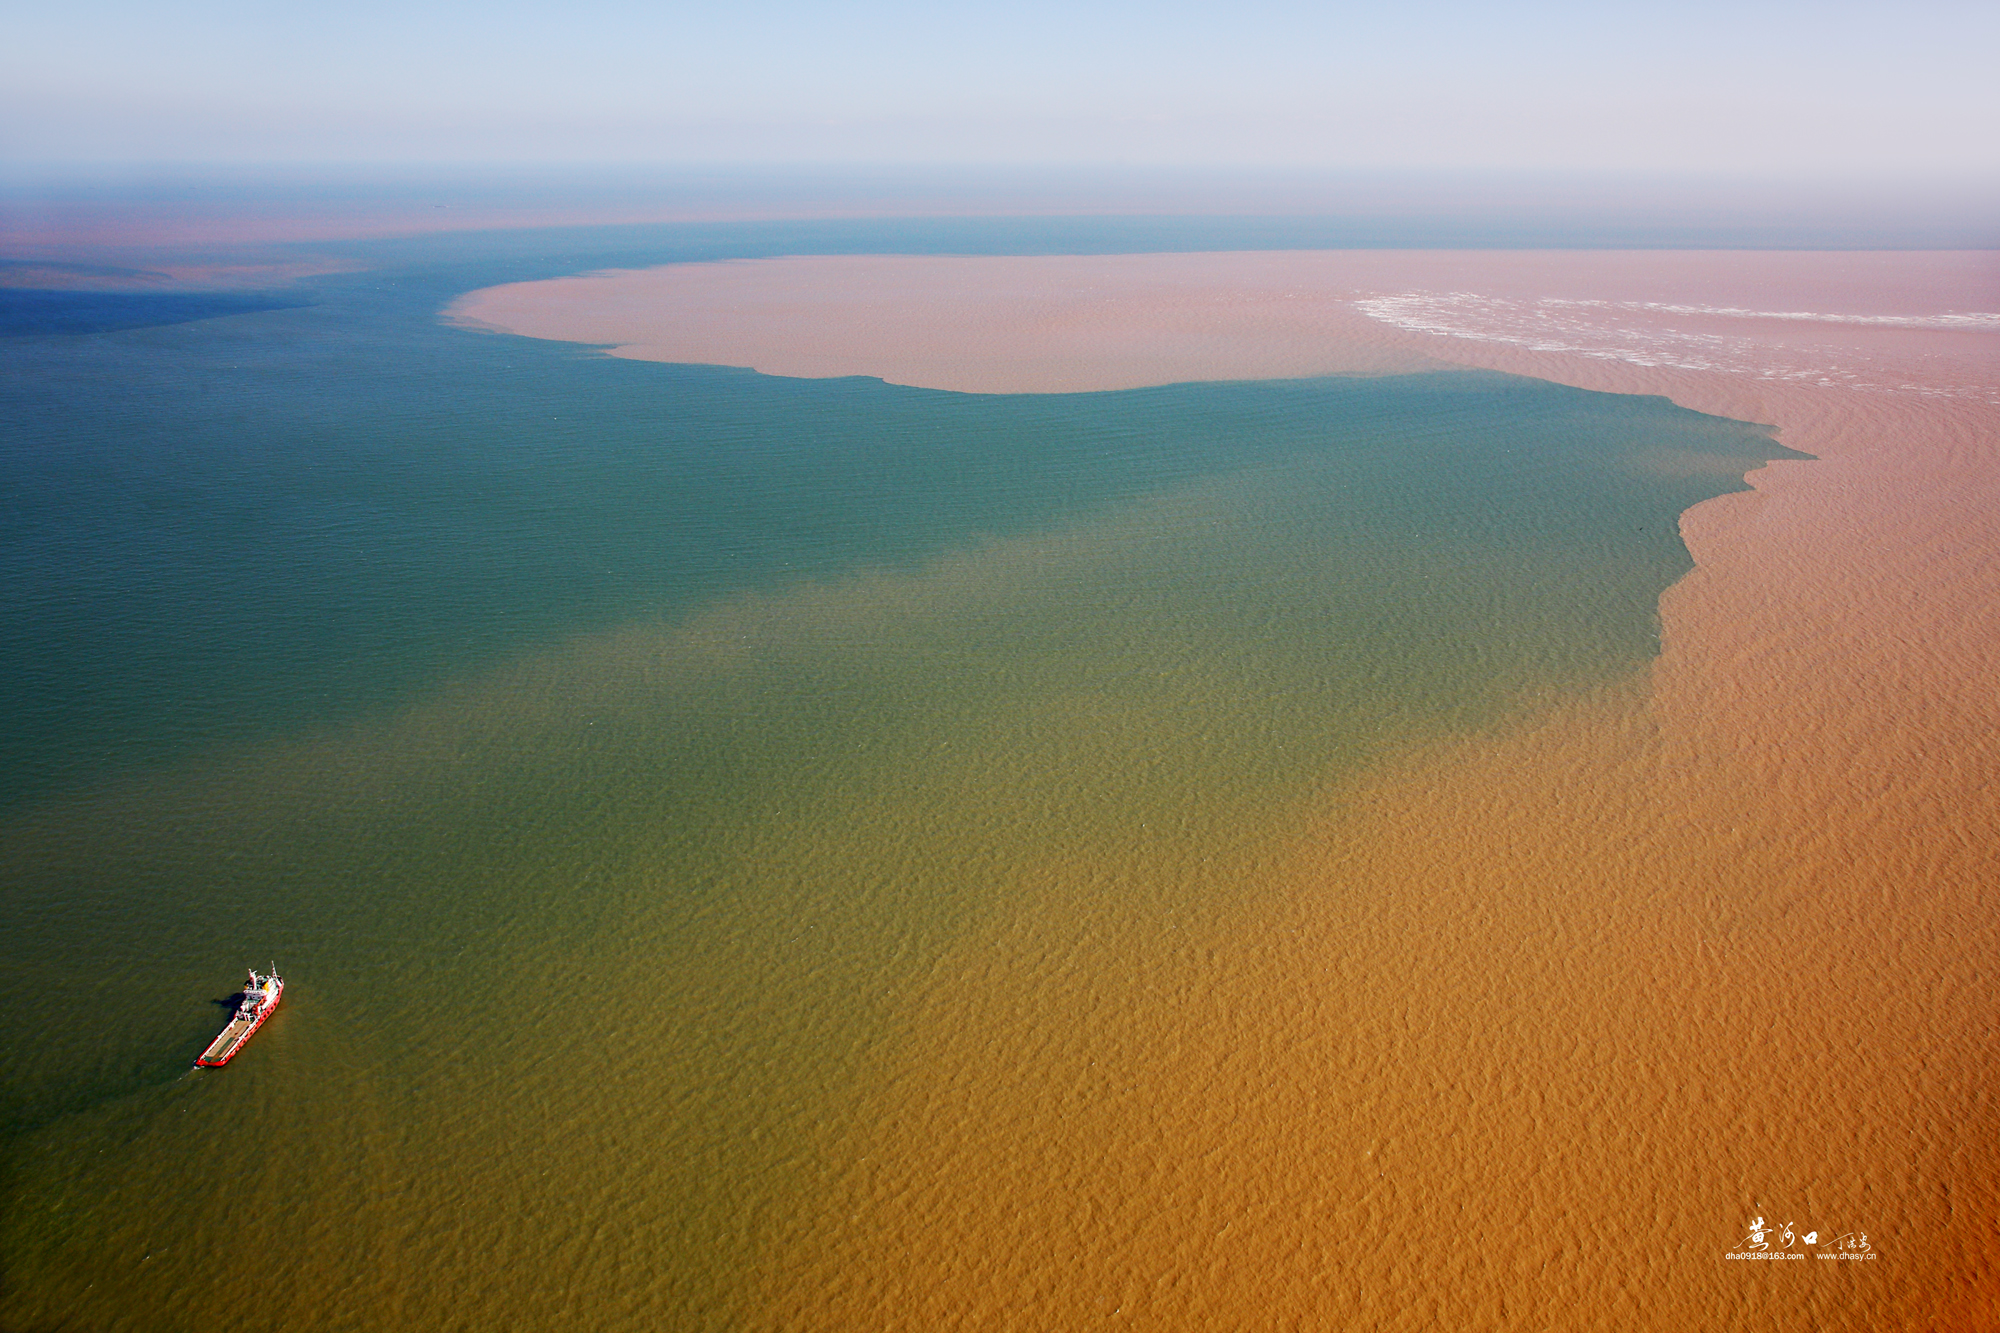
(1971, 321)
(1644, 333)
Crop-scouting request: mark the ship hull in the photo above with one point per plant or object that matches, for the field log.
(241, 1028)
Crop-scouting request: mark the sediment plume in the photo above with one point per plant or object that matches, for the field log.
(1517, 1030)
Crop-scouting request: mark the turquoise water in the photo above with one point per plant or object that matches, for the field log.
(595, 744)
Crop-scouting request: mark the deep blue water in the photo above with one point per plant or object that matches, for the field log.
(217, 529)
(28, 311)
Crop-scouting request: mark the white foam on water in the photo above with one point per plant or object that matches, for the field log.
(1970, 321)
(1607, 330)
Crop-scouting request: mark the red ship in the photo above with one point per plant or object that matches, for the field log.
(260, 997)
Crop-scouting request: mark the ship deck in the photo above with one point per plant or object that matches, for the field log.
(229, 1039)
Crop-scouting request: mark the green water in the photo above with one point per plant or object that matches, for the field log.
(602, 749)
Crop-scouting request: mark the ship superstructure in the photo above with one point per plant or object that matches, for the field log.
(259, 998)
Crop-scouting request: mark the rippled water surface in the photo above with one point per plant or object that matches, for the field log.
(599, 748)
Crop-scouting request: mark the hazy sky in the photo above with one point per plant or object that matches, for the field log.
(1792, 88)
